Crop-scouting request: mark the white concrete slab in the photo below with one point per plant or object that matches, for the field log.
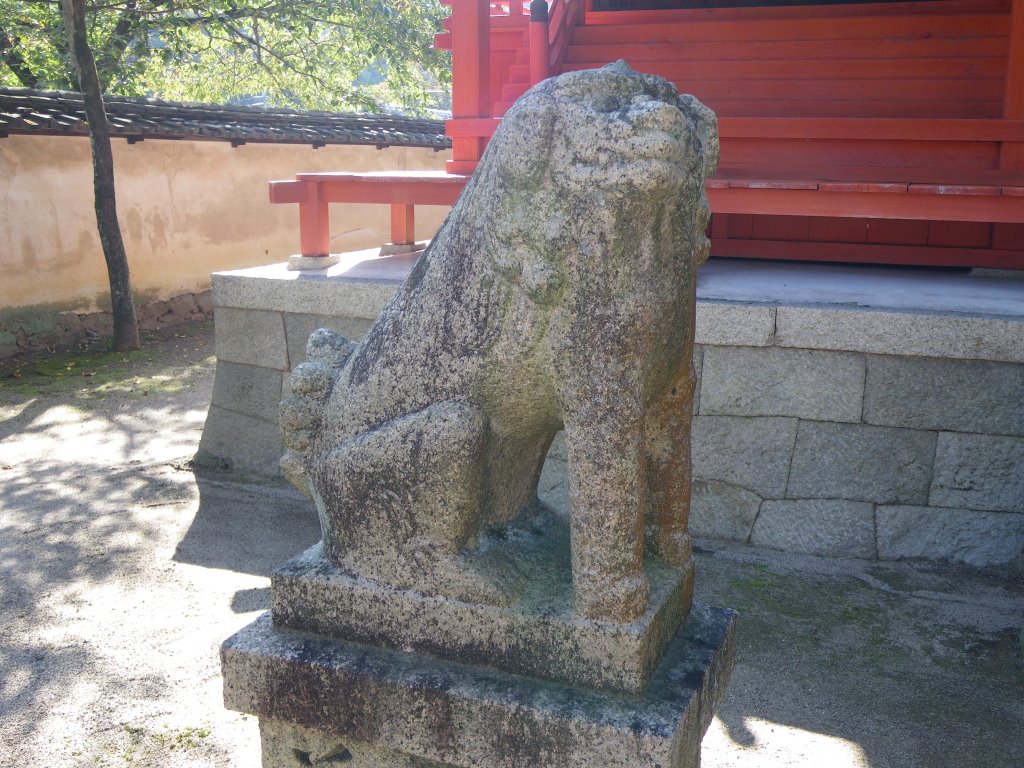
(893, 288)
(880, 310)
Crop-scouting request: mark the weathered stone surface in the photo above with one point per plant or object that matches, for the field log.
(698, 375)
(722, 511)
(742, 381)
(472, 717)
(559, 292)
(247, 389)
(538, 635)
(830, 527)
(291, 746)
(957, 395)
(299, 263)
(298, 327)
(242, 442)
(251, 337)
(965, 536)
(902, 333)
(731, 324)
(553, 486)
(978, 472)
(752, 453)
(447, 618)
(861, 463)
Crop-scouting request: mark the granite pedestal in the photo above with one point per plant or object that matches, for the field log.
(323, 701)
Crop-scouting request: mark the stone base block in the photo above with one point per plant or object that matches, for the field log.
(397, 249)
(538, 634)
(299, 263)
(338, 702)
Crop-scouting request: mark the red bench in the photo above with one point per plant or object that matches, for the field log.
(996, 196)
(314, 192)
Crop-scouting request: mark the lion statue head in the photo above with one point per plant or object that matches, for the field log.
(584, 153)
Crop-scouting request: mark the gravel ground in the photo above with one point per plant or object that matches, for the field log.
(121, 571)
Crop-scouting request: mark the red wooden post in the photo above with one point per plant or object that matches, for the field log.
(314, 222)
(1012, 154)
(540, 56)
(403, 224)
(470, 71)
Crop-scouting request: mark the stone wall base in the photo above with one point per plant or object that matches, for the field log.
(829, 429)
(28, 330)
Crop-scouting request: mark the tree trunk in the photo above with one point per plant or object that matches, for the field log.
(126, 327)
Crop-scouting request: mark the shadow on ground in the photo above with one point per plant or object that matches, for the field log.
(121, 572)
(897, 665)
(248, 527)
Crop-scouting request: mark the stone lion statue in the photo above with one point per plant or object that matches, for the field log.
(559, 293)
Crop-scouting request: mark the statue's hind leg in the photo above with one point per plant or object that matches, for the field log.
(400, 503)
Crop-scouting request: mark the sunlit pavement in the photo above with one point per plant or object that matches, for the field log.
(121, 571)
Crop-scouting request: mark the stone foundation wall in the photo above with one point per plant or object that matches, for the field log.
(823, 430)
(863, 455)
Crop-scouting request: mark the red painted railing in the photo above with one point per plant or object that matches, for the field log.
(866, 186)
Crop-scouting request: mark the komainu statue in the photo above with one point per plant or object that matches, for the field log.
(559, 293)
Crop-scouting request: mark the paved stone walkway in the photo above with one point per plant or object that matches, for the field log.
(121, 571)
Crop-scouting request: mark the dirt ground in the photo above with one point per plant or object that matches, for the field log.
(121, 571)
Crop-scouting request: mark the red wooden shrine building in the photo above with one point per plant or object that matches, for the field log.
(880, 132)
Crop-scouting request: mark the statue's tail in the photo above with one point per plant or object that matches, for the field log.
(302, 414)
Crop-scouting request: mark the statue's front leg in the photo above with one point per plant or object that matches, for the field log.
(606, 503)
(668, 450)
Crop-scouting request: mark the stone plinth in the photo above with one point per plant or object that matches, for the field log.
(321, 700)
(537, 635)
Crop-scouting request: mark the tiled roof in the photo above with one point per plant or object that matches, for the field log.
(27, 111)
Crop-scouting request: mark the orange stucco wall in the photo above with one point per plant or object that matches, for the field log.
(187, 208)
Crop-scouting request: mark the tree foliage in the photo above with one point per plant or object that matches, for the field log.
(324, 54)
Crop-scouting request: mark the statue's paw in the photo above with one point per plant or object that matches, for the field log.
(329, 348)
(673, 548)
(620, 600)
(469, 578)
(293, 468)
(313, 380)
(300, 419)
(494, 581)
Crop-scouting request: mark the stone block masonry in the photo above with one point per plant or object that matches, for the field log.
(825, 429)
(893, 455)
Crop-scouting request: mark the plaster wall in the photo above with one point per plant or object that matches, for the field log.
(187, 208)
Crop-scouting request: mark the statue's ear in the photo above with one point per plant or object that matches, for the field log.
(523, 141)
(704, 124)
